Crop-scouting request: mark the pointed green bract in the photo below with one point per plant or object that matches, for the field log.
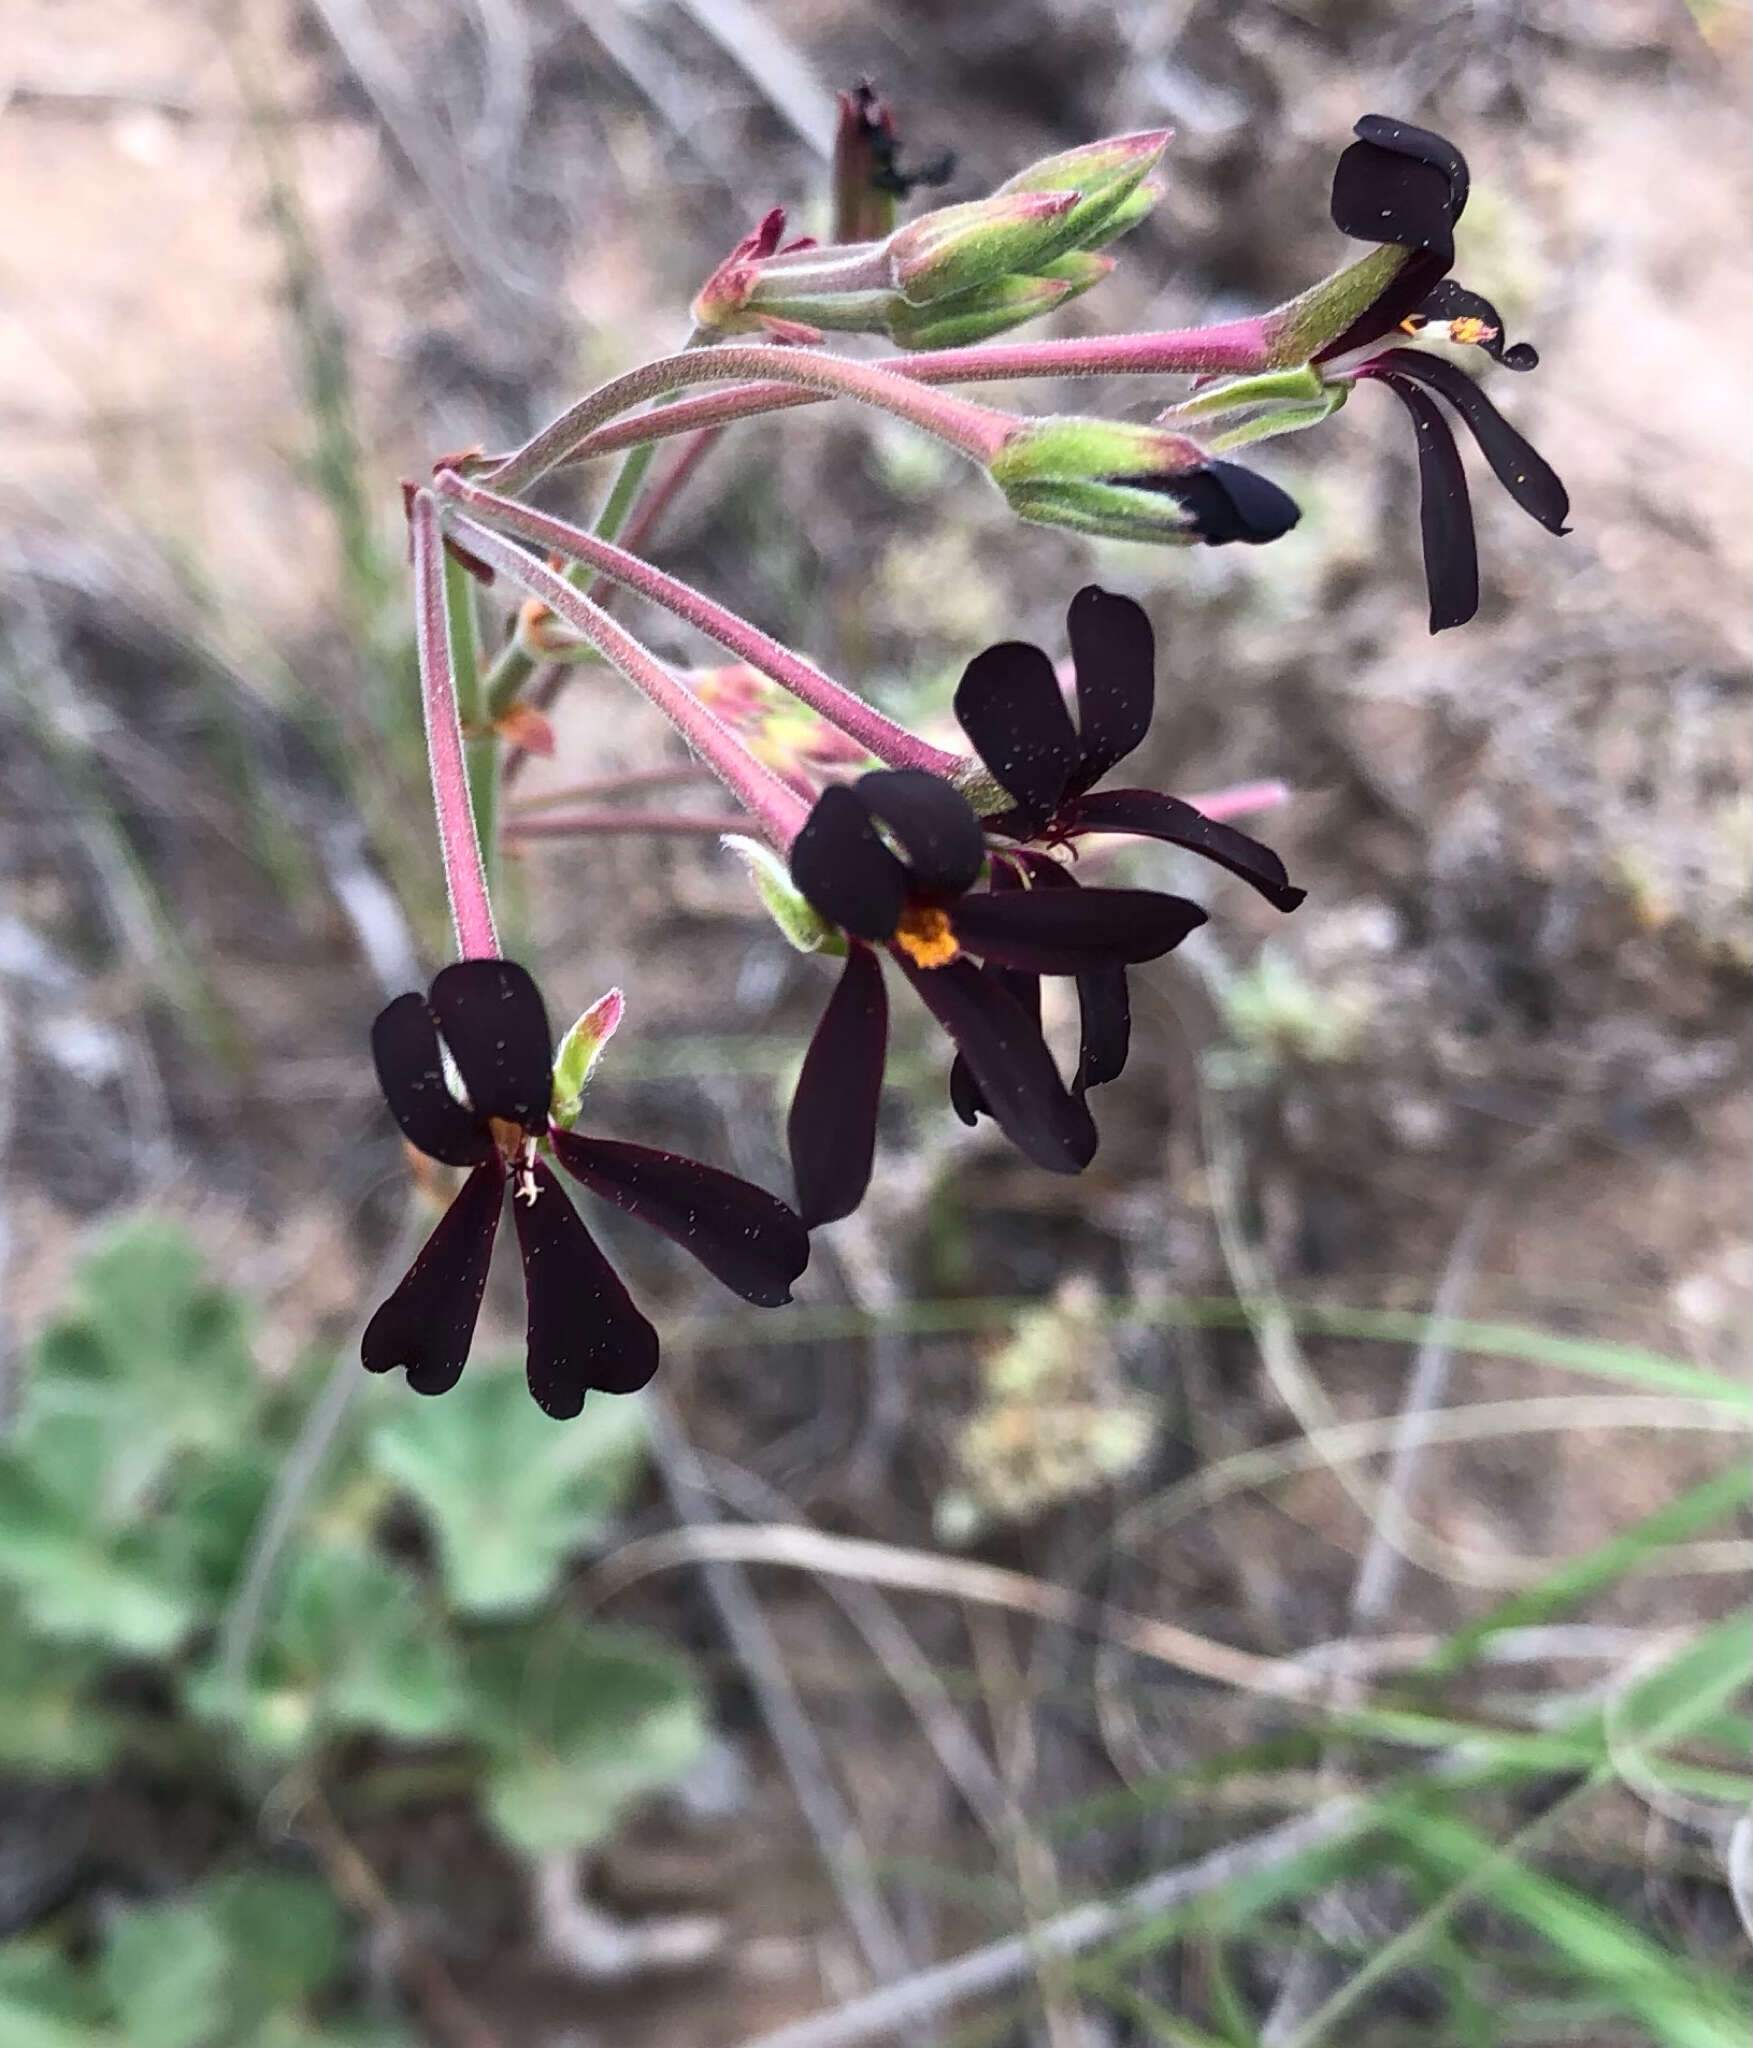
(579, 1051)
(800, 924)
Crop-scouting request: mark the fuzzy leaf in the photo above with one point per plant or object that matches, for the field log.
(509, 1495)
(166, 1969)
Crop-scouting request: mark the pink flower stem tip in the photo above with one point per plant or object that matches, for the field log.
(778, 811)
(892, 744)
(465, 872)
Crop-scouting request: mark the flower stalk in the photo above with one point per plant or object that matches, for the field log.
(465, 870)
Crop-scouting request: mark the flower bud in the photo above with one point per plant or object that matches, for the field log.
(958, 247)
(979, 314)
(578, 1054)
(800, 924)
(1108, 177)
(1129, 482)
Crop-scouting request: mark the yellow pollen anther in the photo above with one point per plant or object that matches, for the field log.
(925, 937)
(1470, 331)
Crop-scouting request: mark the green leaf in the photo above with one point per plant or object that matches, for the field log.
(166, 1968)
(509, 1493)
(578, 1722)
(284, 1934)
(47, 1723)
(45, 2002)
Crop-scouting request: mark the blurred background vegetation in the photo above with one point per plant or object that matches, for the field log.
(1289, 1574)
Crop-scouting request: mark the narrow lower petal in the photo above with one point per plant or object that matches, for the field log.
(493, 1019)
(1526, 474)
(831, 1130)
(843, 869)
(1049, 932)
(410, 1071)
(1445, 513)
(1113, 650)
(966, 1097)
(1009, 1062)
(1010, 705)
(1155, 816)
(585, 1334)
(742, 1235)
(427, 1325)
(1105, 1007)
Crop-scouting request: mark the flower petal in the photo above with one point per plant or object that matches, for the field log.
(1445, 513)
(585, 1334)
(742, 1235)
(1528, 477)
(428, 1323)
(410, 1071)
(1452, 301)
(1010, 705)
(1045, 932)
(1105, 1007)
(1156, 816)
(491, 1015)
(1400, 184)
(935, 824)
(831, 1130)
(1114, 653)
(1225, 502)
(1009, 1062)
(842, 867)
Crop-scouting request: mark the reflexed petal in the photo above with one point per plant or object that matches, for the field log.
(1528, 477)
(1106, 1010)
(965, 1097)
(1009, 1062)
(1452, 301)
(844, 870)
(1114, 652)
(741, 1234)
(831, 1130)
(1400, 184)
(410, 1071)
(1046, 932)
(491, 1016)
(1009, 704)
(1445, 513)
(935, 824)
(1155, 816)
(584, 1332)
(427, 1325)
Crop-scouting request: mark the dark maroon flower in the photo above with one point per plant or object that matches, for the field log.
(893, 860)
(584, 1331)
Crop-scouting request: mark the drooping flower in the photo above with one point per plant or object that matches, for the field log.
(1010, 705)
(467, 1072)
(893, 860)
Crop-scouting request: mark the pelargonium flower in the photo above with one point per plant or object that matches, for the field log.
(584, 1331)
(1010, 705)
(1404, 186)
(892, 860)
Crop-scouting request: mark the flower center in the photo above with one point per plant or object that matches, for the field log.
(925, 937)
(518, 1149)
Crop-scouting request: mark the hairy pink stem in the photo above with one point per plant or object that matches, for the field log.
(891, 743)
(1238, 349)
(778, 810)
(465, 873)
(977, 431)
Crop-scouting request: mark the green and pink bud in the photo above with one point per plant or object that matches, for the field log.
(1112, 179)
(575, 1059)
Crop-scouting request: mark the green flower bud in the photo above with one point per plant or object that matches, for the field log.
(1109, 178)
(977, 315)
(579, 1051)
(800, 924)
(959, 247)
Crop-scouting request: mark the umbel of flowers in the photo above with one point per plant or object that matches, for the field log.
(866, 841)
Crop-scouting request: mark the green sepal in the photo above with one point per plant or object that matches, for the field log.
(959, 247)
(579, 1052)
(1315, 319)
(800, 924)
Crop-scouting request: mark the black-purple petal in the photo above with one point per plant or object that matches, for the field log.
(1445, 513)
(427, 1325)
(584, 1332)
(742, 1235)
(935, 824)
(1452, 301)
(1400, 184)
(1010, 705)
(1528, 477)
(1114, 653)
(1225, 502)
(831, 1129)
(1105, 1009)
(842, 867)
(1044, 931)
(491, 1015)
(1155, 816)
(1009, 1063)
(410, 1070)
